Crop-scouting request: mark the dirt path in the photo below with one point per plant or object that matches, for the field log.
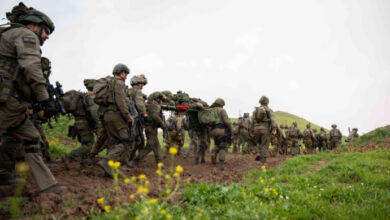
(88, 185)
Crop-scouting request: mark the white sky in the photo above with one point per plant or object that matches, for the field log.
(326, 61)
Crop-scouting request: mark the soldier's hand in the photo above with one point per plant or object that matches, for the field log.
(48, 108)
(131, 121)
(273, 131)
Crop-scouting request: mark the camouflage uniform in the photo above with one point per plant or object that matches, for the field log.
(308, 139)
(221, 133)
(262, 123)
(315, 142)
(20, 62)
(175, 132)
(322, 140)
(236, 138)
(244, 131)
(294, 134)
(152, 124)
(334, 137)
(352, 135)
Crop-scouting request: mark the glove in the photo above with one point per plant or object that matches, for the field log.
(48, 108)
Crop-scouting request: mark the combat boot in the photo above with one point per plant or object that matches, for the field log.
(203, 160)
(107, 170)
(56, 189)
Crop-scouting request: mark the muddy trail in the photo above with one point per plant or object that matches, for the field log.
(87, 185)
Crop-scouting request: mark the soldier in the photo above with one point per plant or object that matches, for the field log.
(20, 64)
(221, 133)
(352, 135)
(276, 140)
(244, 131)
(152, 124)
(322, 140)
(263, 124)
(315, 143)
(86, 117)
(116, 120)
(334, 137)
(175, 132)
(308, 139)
(236, 139)
(135, 94)
(294, 134)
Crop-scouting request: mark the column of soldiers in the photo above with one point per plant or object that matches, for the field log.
(114, 117)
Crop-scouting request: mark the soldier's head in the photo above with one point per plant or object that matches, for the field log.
(308, 125)
(219, 102)
(322, 129)
(294, 124)
(121, 70)
(46, 67)
(39, 23)
(89, 84)
(334, 126)
(157, 96)
(354, 129)
(264, 100)
(314, 130)
(139, 80)
(246, 115)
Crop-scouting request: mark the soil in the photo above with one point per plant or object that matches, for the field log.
(87, 185)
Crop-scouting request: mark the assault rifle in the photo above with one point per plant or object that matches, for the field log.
(136, 116)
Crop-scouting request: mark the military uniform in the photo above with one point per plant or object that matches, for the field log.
(152, 124)
(244, 131)
(334, 137)
(308, 140)
(20, 61)
(236, 138)
(352, 135)
(322, 140)
(262, 123)
(294, 134)
(221, 133)
(175, 132)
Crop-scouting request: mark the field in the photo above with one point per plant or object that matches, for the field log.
(350, 183)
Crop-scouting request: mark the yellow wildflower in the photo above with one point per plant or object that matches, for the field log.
(173, 151)
(142, 190)
(169, 216)
(263, 168)
(153, 201)
(111, 163)
(266, 190)
(273, 178)
(176, 175)
(117, 164)
(107, 208)
(261, 180)
(147, 182)
(188, 182)
(275, 192)
(100, 200)
(145, 211)
(168, 177)
(126, 180)
(137, 217)
(132, 196)
(160, 164)
(142, 177)
(133, 179)
(159, 172)
(179, 169)
(22, 167)
(162, 211)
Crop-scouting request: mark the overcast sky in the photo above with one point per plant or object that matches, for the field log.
(327, 61)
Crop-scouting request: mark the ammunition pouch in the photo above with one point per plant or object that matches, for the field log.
(6, 89)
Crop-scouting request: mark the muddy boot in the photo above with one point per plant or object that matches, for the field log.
(65, 161)
(257, 158)
(107, 170)
(203, 160)
(221, 165)
(59, 190)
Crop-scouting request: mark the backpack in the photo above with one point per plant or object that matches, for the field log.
(71, 99)
(209, 116)
(323, 136)
(102, 90)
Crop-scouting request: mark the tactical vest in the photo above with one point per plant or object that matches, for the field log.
(260, 117)
(293, 132)
(334, 133)
(307, 134)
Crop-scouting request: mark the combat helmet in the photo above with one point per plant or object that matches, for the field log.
(308, 125)
(120, 67)
(219, 101)
(354, 129)
(138, 79)
(38, 17)
(322, 129)
(246, 115)
(89, 83)
(264, 100)
(334, 126)
(156, 95)
(295, 123)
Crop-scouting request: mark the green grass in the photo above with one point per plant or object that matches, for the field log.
(377, 136)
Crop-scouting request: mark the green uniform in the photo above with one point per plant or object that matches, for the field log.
(308, 140)
(322, 140)
(175, 133)
(334, 138)
(86, 120)
(20, 60)
(244, 131)
(262, 124)
(294, 134)
(115, 121)
(154, 122)
(236, 138)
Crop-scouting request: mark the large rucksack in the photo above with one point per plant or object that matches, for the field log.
(209, 116)
(102, 90)
(71, 99)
